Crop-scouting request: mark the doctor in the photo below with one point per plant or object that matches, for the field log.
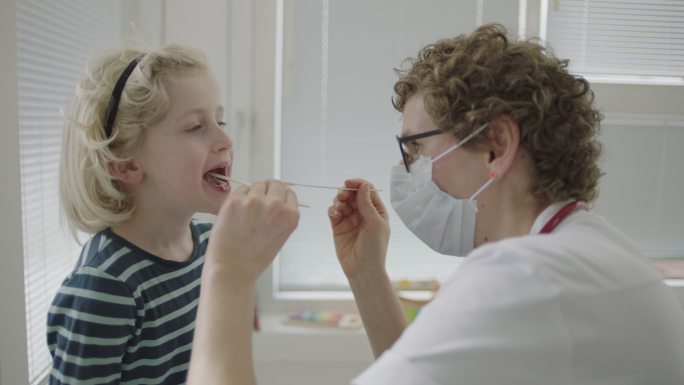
(500, 165)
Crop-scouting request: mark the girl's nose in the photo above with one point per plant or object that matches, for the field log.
(223, 141)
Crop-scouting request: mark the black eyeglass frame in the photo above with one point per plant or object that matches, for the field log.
(405, 139)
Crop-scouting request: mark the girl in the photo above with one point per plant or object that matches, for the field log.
(144, 134)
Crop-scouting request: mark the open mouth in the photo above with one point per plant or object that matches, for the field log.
(214, 182)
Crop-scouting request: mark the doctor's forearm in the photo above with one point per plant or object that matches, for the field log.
(381, 312)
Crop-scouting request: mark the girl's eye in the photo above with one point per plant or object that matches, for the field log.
(195, 128)
(222, 124)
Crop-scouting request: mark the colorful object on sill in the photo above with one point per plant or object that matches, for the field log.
(412, 306)
(324, 318)
(406, 284)
(413, 302)
(672, 268)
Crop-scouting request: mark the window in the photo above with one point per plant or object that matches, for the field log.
(337, 121)
(53, 41)
(620, 41)
(643, 187)
(332, 113)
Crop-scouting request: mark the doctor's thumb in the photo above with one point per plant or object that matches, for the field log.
(364, 202)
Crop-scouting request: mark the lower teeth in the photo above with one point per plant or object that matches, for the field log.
(217, 182)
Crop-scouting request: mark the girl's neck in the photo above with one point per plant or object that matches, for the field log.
(158, 235)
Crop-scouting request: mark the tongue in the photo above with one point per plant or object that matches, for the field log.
(209, 178)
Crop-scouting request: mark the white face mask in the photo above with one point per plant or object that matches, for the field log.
(444, 223)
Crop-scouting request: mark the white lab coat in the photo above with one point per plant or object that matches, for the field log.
(578, 306)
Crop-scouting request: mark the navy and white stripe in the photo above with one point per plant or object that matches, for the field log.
(125, 316)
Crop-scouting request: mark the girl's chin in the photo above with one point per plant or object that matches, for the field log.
(216, 207)
(212, 206)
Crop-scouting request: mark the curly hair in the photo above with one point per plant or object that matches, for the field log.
(472, 79)
(91, 198)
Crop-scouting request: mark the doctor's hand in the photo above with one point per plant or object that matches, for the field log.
(360, 229)
(252, 225)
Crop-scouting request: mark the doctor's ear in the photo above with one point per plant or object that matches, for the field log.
(504, 139)
(126, 172)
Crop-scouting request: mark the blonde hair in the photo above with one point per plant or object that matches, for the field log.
(91, 198)
(472, 79)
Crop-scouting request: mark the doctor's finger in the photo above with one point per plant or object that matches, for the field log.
(365, 202)
(344, 207)
(377, 203)
(354, 183)
(334, 215)
(343, 195)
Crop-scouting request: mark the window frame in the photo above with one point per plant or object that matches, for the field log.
(14, 351)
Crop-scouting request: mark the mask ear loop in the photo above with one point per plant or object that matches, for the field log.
(459, 144)
(471, 200)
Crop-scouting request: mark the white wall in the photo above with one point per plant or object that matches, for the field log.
(314, 356)
(13, 365)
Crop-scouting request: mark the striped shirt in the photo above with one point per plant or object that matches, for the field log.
(125, 316)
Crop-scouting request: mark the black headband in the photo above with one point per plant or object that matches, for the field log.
(113, 107)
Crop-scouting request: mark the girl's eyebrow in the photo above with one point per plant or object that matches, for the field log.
(192, 111)
(199, 110)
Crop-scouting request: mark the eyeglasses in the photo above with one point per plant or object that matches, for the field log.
(406, 152)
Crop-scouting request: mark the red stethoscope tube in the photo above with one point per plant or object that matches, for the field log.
(560, 215)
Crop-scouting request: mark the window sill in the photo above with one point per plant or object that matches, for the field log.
(277, 342)
(677, 286)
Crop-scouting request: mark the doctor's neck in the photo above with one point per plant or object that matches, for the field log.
(508, 217)
(510, 207)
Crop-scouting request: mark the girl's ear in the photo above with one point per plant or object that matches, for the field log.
(127, 172)
(504, 139)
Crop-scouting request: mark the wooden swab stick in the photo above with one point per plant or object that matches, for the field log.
(326, 187)
(227, 179)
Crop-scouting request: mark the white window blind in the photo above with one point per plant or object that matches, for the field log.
(628, 40)
(337, 120)
(54, 38)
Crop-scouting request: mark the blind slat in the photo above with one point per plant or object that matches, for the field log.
(641, 39)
